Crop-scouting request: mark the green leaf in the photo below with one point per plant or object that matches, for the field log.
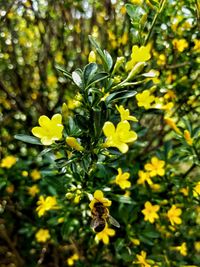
(28, 139)
(64, 72)
(109, 60)
(105, 56)
(77, 78)
(89, 72)
(120, 95)
(98, 77)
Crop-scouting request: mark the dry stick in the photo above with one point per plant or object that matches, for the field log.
(5, 236)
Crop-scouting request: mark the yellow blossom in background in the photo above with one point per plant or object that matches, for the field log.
(187, 137)
(135, 241)
(73, 143)
(50, 130)
(173, 215)
(104, 235)
(156, 167)
(8, 162)
(182, 249)
(71, 260)
(33, 190)
(196, 190)
(141, 259)
(99, 197)
(170, 94)
(180, 44)
(124, 39)
(144, 177)
(122, 179)
(120, 136)
(172, 124)
(161, 60)
(42, 235)
(52, 81)
(125, 114)
(150, 212)
(35, 175)
(197, 246)
(185, 191)
(145, 99)
(92, 57)
(45, 204)
(10, 189)
(24, 173)
(196, 47)
(139, 54)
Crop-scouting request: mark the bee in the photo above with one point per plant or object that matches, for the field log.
(100, 216)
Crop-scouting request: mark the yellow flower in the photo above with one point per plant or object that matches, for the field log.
(99, 197)
(10, 189)
(144, 177)
(185, 191)
(73, 143)
(125, 114)
(92, 57)
(180, 44)
(50, 130)
(173, 215)
(33, 190)
(120, 136)
(188, 138)
(196, 190)
(135, 241)
(196, 45)
(24, 173)
(161, 59)
(155, 167)
(72, 259)
(182, 249)
(8, 162)
(142, 259)
(172, 124)
(197, 246)
(139, 54)
(45, 204)
(121, 179)
(104, 235)
(42, 235)
(150, 212)
(35, 175)
(145, 99)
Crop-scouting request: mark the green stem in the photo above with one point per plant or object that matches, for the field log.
(162, 3)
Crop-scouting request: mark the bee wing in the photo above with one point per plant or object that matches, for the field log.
(113, 221)
(94, 223)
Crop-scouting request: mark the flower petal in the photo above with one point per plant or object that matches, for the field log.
(108, 128)
(44, 121)
(57, 118)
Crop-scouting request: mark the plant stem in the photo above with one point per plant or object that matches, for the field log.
(162, 3)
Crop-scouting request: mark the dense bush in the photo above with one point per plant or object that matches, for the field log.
(100, 104)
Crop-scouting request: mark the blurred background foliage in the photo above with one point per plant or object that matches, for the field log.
(37, 37)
